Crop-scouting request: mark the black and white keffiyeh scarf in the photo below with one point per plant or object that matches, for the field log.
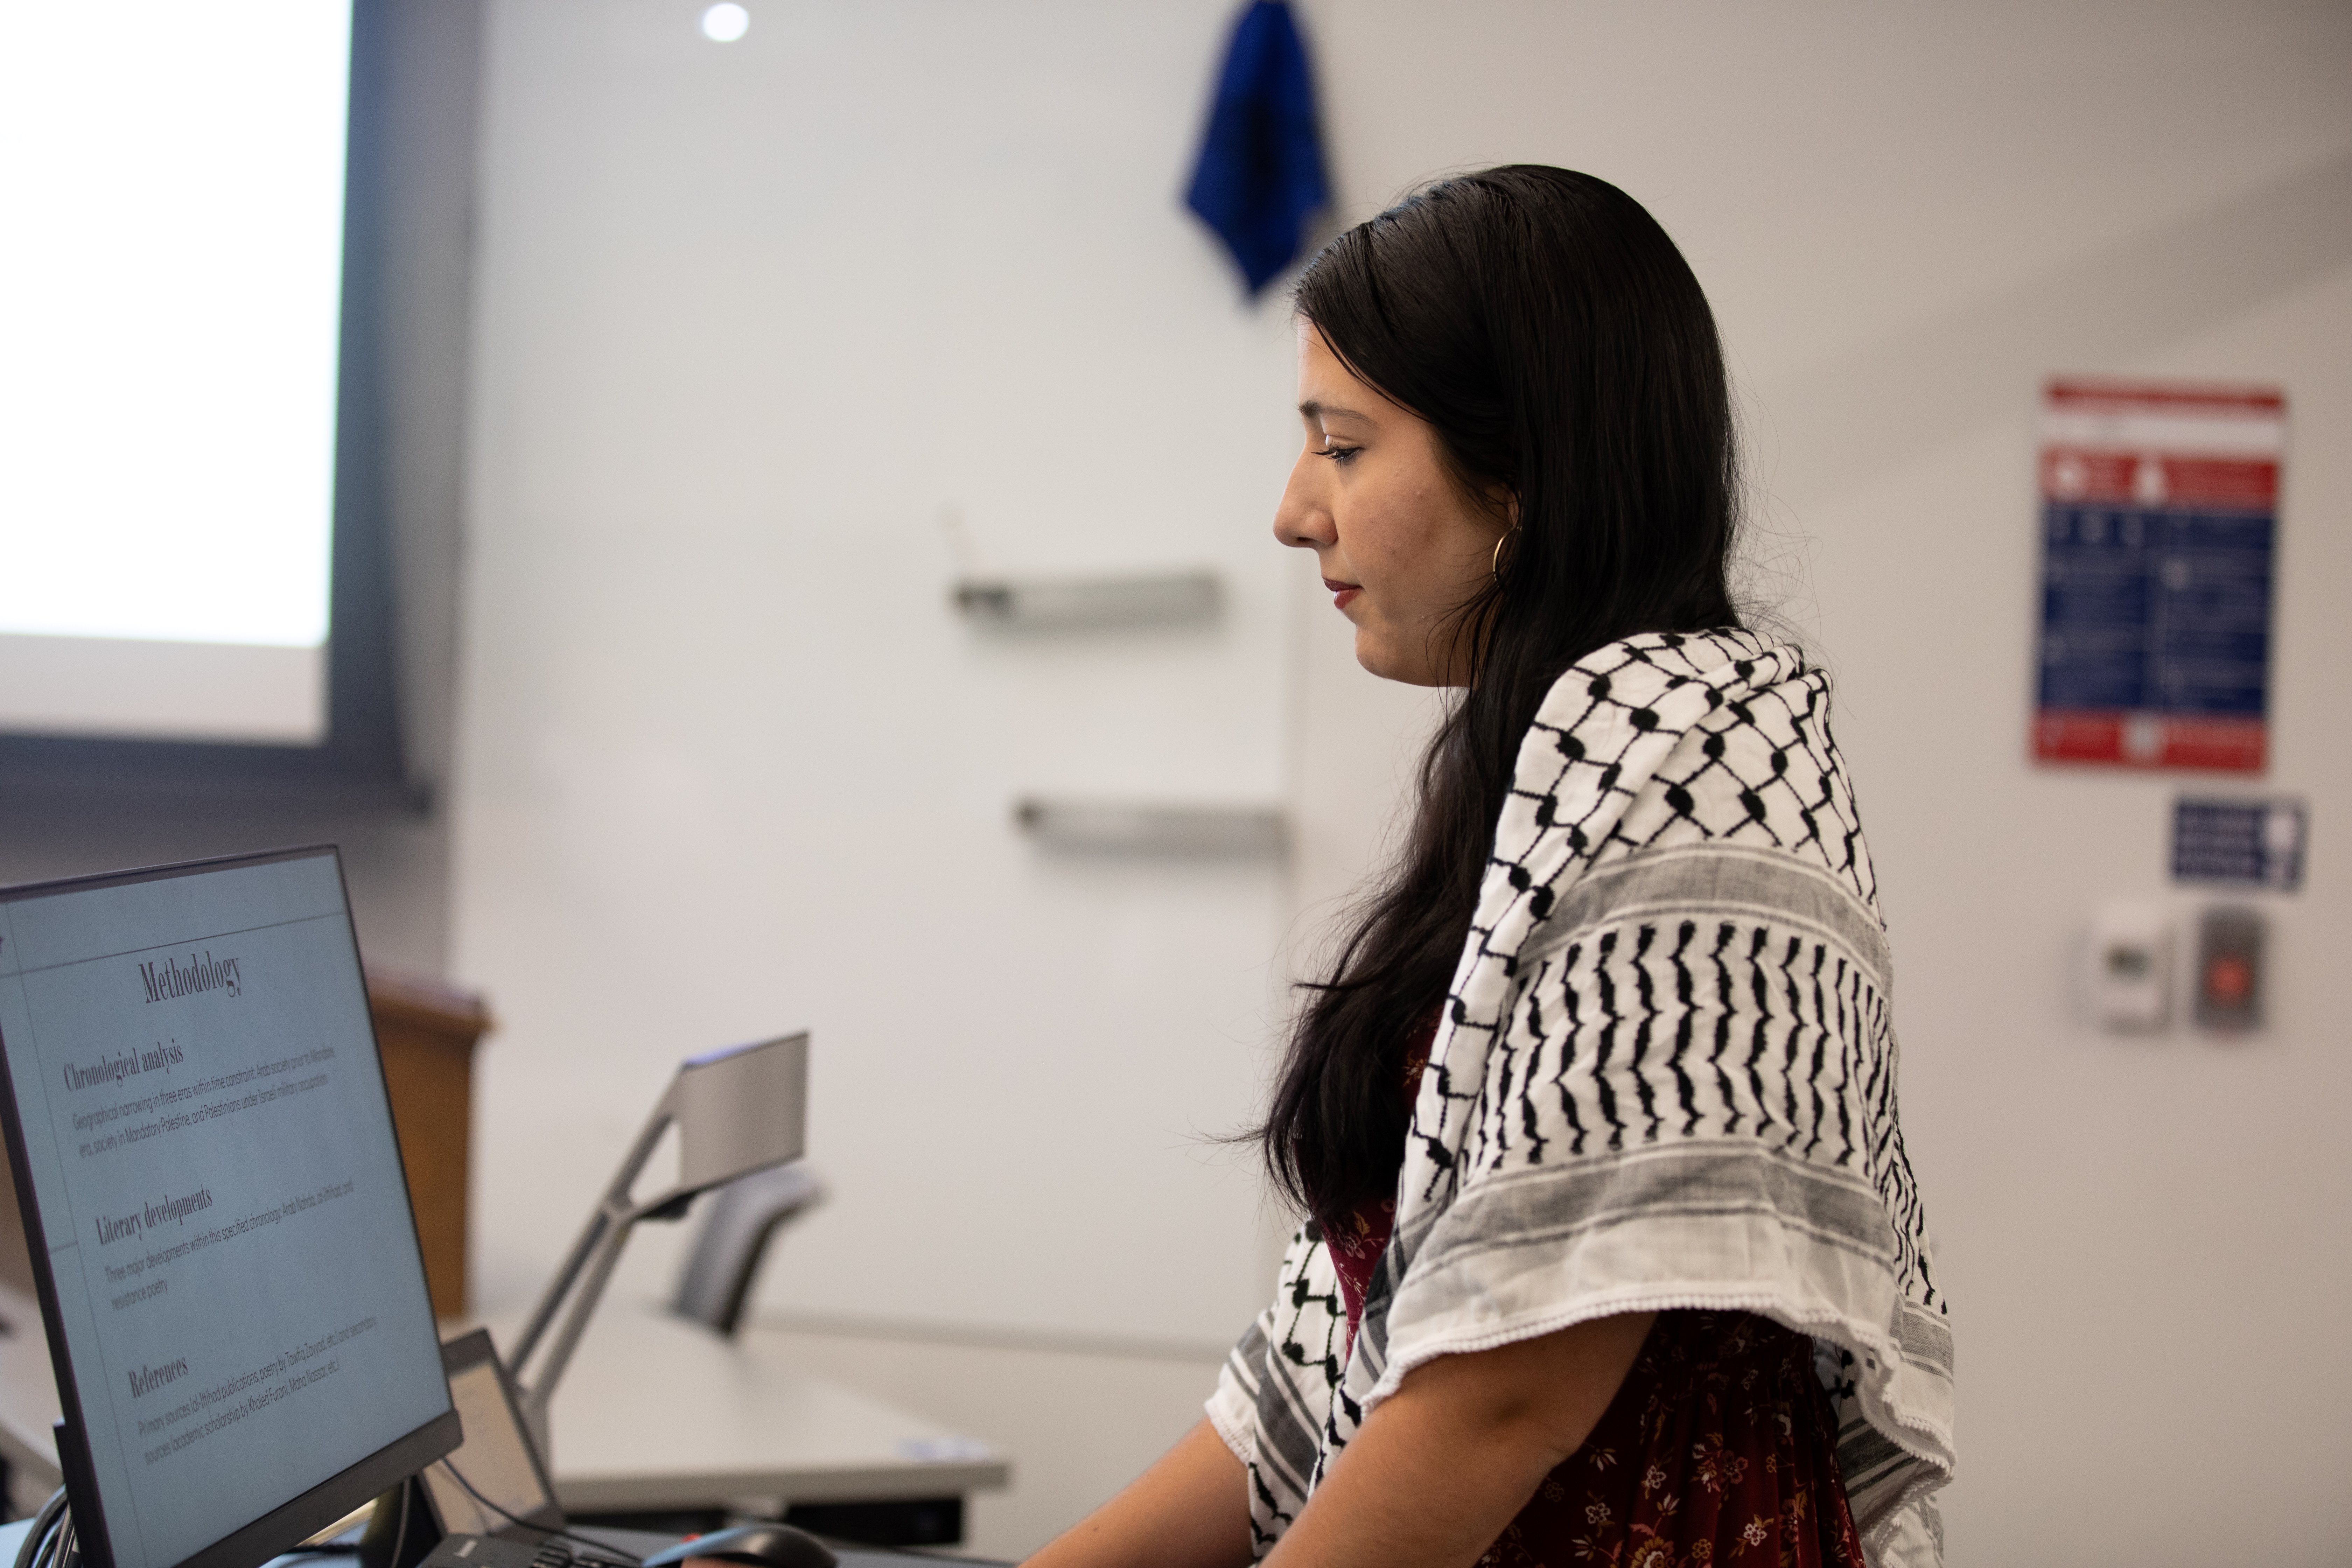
(1666, 1077)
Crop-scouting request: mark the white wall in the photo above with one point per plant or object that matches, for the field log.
(748, 316)
(1906, 220)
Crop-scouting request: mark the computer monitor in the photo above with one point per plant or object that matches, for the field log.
(203, 1154)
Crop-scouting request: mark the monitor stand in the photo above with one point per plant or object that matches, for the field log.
(401, 1531)
(90, 1546)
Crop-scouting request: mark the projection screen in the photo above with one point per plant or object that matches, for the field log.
(173, 176)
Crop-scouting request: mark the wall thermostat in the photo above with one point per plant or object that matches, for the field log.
(2129, 974)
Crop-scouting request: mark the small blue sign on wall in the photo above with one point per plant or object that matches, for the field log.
(2249, 843)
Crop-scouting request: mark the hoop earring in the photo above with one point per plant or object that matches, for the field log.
(1510, 534)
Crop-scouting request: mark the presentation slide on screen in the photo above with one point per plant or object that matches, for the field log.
(225, 1216)
(170, 303)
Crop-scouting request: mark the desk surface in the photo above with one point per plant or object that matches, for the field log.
(655, 1413)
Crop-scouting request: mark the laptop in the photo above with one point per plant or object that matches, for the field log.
(492, 1484)
(495, 1509)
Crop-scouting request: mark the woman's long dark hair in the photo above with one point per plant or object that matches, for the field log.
(1549, 330)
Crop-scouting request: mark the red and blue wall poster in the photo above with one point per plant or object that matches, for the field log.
(2159, 527)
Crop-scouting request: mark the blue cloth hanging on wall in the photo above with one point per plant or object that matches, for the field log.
(1260, 176)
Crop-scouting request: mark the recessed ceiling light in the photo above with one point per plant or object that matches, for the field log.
(725, 22)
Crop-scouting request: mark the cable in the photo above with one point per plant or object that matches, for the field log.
(44, 1522)
(610, 1554)
(51, 1541)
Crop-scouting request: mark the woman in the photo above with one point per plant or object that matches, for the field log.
(1613, 1253)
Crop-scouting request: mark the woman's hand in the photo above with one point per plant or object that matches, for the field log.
(1189, 1510)
(1439, 1470)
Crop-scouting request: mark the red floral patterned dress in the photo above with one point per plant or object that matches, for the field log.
(1718, 1451)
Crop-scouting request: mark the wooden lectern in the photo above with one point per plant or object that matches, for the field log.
(427, 1032)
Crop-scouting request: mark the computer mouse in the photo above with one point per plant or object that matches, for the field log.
(770, 1545)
